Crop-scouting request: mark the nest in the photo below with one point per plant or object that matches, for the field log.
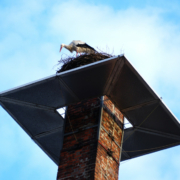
(74, 62)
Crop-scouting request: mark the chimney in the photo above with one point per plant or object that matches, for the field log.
(92, 141)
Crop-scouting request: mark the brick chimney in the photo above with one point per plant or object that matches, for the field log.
(92, 141)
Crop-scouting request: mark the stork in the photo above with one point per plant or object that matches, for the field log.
(79, 47)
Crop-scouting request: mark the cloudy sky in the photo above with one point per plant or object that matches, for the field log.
(146, 31)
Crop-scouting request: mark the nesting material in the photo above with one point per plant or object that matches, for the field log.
(74, 62)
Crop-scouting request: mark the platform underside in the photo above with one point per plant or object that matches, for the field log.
(34, 106)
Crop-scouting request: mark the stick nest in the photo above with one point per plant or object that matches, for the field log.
(74, 62)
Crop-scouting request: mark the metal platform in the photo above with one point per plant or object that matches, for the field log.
(34, 106)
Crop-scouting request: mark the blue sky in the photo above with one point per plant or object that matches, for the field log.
(148, 32)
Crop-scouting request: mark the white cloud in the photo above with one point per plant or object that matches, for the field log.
(32, 32)
(20, 154)
(162, 165)
(149, 42)
(146, 39)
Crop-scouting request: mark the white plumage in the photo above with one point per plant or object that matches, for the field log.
(79, 47)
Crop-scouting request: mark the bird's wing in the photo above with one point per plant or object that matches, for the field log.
(75, 42)
(85, 46)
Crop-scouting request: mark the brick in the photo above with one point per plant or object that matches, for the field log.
(85, 155)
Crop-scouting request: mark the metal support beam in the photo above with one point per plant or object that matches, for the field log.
(154, 150)
(125, 154)
(114, 75)
(80, 129)
(100, 116)
(20, 124)
(157, 133)
(67, 88)
(140, 105)
(46, 133)
(23, 103)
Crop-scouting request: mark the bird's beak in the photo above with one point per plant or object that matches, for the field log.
(60, 49)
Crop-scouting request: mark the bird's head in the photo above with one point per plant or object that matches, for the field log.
(61, 46)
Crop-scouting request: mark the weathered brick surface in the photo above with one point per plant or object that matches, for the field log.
(85, 155)
(109, 143)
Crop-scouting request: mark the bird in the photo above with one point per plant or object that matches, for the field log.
(79, 47)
